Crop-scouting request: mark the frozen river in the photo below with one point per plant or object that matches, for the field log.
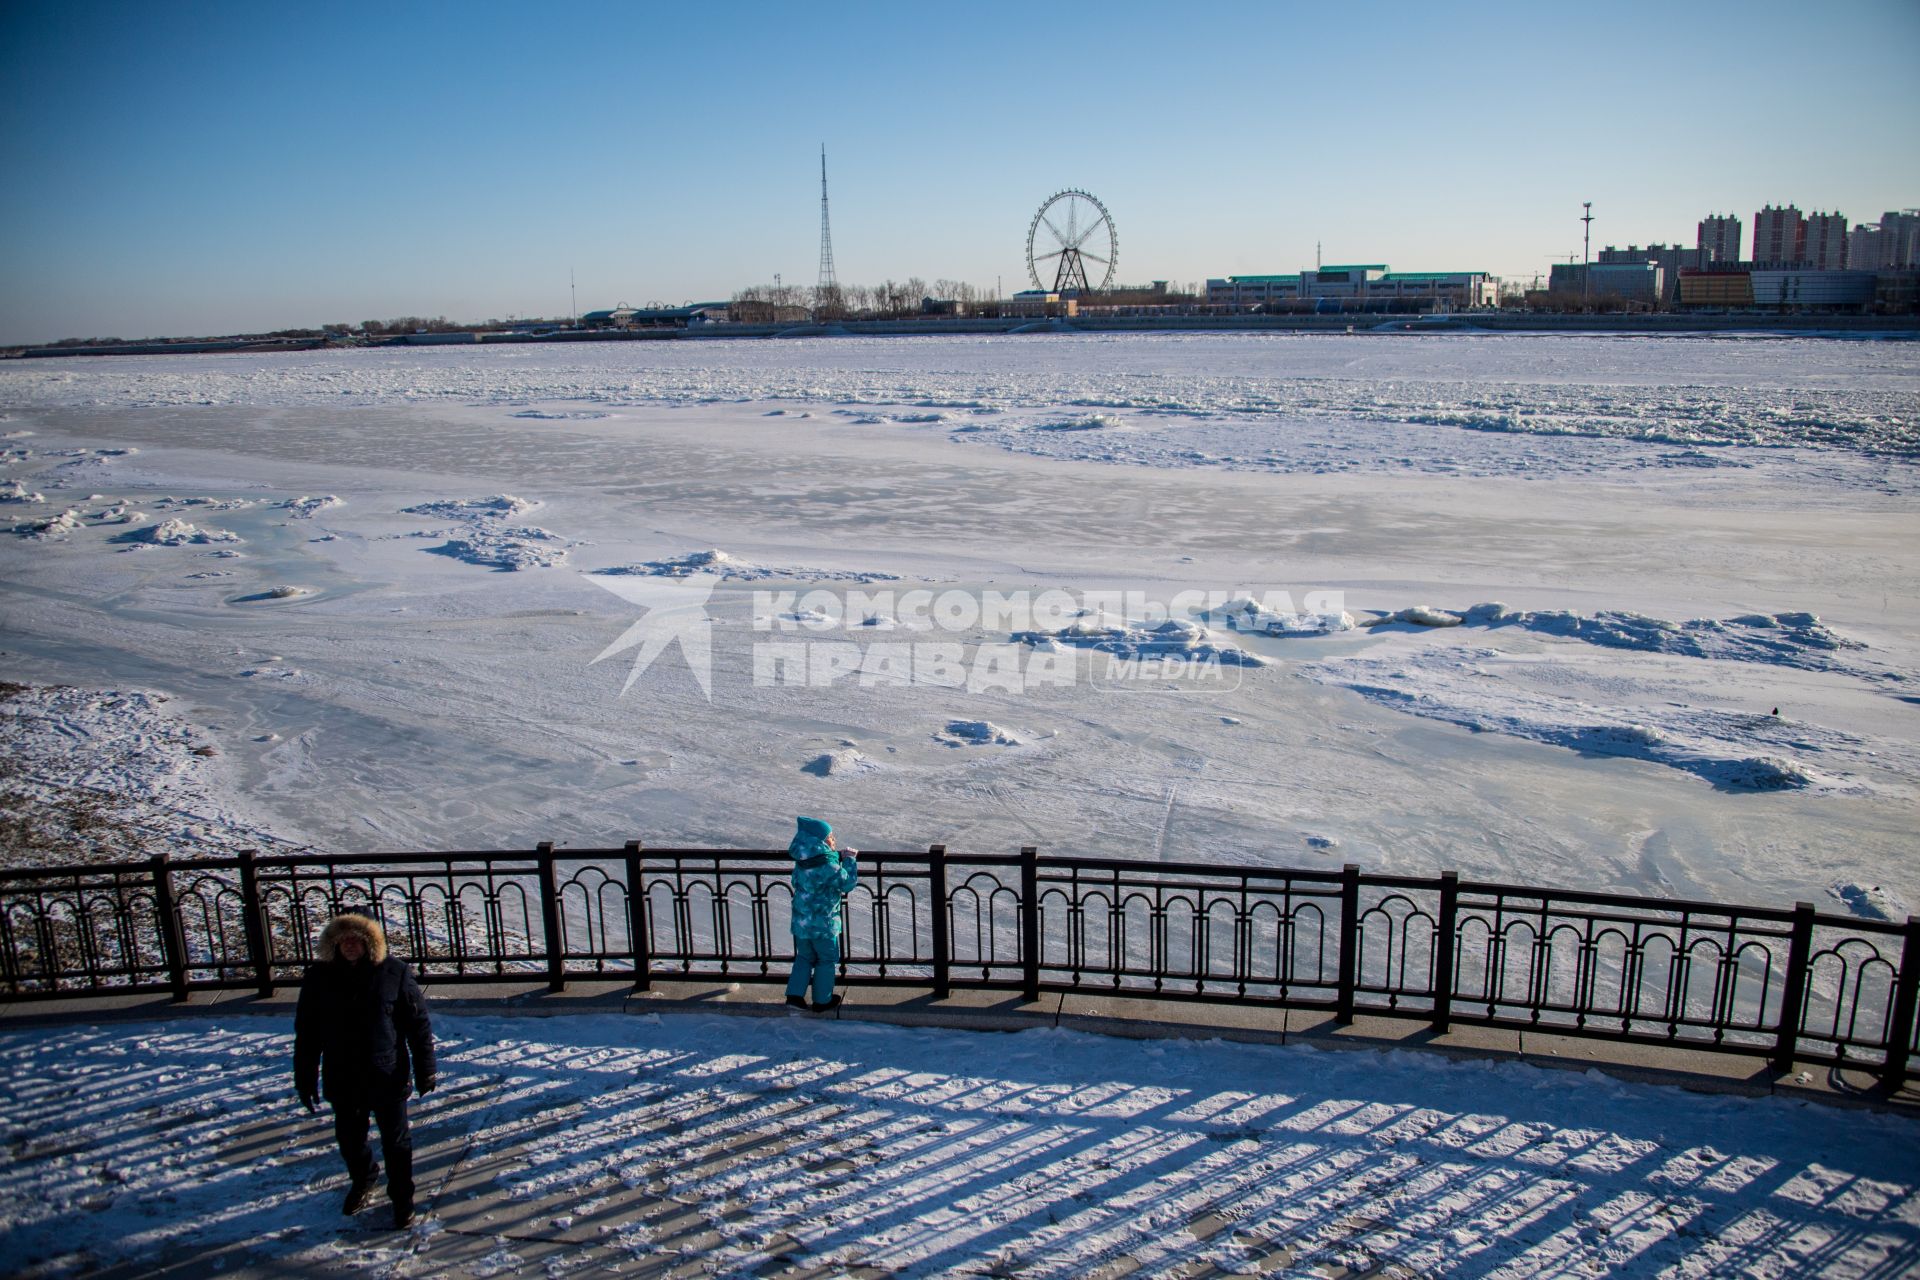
(412, 664)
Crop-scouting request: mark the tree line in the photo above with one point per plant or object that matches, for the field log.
(889, 298)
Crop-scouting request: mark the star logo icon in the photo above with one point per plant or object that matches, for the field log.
(676, 612)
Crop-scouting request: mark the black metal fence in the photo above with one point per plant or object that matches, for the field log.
(1790, 985)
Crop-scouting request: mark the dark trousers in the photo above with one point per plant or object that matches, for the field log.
(396, 1141)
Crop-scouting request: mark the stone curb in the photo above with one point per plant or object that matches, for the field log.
(1133, 1018)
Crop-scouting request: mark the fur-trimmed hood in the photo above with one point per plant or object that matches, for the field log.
(350, 922)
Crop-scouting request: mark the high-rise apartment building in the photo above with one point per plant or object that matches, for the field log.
(1719, 238)
(1779, 236)
(1891, 244)
(1902, 246)
(1824, 242)
(1863, 247)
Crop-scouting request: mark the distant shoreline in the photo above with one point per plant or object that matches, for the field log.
(931, 326)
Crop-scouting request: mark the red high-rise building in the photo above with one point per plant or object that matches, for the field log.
(1779, 236)
(1825, 241)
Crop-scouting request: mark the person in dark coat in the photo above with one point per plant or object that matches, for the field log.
(361, 1039)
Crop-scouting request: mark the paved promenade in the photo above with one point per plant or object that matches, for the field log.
(687, 1184)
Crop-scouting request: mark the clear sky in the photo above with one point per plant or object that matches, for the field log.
(189, 168)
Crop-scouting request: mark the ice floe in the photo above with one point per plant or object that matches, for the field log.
(1784, 639)
(1736, 751)
(733, 568)
(1173, 638)
(171, 503)
(1242, 613)
(1870, 902)
(1419, 615)
(483, 536)
(50, 527)
(178, 533)
(1092, 422)
(1794, 639)
(498, 507)
(840, 762)
(305, 508)
(977, 733)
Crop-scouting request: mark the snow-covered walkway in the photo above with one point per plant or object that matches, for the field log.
(696, 1144)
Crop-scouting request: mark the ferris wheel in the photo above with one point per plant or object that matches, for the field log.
(1072, 229)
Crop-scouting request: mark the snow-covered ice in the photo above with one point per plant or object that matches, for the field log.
(1689, 534)
(745, 1146)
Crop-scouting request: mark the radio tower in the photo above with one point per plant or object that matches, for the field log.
(826, 302)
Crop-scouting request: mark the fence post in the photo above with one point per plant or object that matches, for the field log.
(1443, 951)
(1900, 1029)
(637, 919)
(550, 918)
(1794, 996)
(173, 943)
(254, 916)
(942, 944)
(1349, 941)
(1030, 922)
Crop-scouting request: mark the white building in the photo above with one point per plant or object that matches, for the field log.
(1719, 238)
(1891, 244)
(1825, 241)
(1357, 287)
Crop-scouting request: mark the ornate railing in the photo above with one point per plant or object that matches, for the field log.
(1789, 985)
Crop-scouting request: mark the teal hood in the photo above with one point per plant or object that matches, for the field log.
(810, 839)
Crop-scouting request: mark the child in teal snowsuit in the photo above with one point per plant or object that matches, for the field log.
(822, 874)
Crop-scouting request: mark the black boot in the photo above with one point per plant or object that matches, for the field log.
(798, 1002)
(360, 1191)
(832, 1003)
(402, 1214)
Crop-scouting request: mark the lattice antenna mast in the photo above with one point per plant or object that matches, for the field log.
(827, 292)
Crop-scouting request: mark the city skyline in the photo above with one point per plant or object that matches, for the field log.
(210, 168)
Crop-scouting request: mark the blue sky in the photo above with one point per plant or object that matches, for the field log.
(201, 168)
